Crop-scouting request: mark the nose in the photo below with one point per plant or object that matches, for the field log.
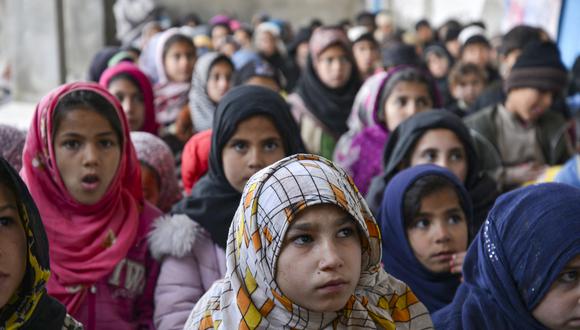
(547, 99)
(90, 155)
(127, 105)
(223, 83)
(255, 159)
(329, 256)
(441, 233)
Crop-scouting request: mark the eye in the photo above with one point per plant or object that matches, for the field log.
(71, 144)
(429, 155)
(568, 277)
(6, 221)
(423, 102)
(240, 146)
(271, 145)
(107, 143)
(455, 219)
(456, 156)
(421, 223)
(346, 232)
(401, 101)
(302, 239)
(120, 96)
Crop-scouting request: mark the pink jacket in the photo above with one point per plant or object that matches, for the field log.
(190, 263)
(124, 300)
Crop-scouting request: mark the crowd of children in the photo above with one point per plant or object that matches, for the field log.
(232, 175)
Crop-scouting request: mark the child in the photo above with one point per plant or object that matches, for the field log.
(476, 49)
(466, 82)
(405, 91)
(521, 271)
(304, 252)
(12, 144)
(365, 50)
(425, 216)
(158, 178)
(440, 138)
(175, 59)
(516, 139)
(322, 100)
(253, 128)
(81, 169)
(439, 62)
(212, 79)
(133, 89)
(24, 303)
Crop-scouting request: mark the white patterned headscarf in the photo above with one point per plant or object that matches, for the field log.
(249, 297)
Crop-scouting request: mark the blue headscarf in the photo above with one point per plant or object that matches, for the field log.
(529, 236)
(434, 290)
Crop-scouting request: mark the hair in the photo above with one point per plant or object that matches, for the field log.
(461, 69)
(224, 25)
(517, 38)
(364, 17)
(422, 23)
(87, 100)
(423, 187)
(409, 74)
(175, 39)
(125, 76)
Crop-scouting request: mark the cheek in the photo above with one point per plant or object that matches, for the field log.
(418, 241)
(393, 116)
(232, 169)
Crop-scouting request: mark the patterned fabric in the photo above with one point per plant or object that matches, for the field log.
(528, 238)
(249, 297)
(12, 145)
(78, 233)
(152, 151)
(30, 303)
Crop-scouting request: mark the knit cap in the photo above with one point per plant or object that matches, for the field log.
(539, 66)
(324, 37)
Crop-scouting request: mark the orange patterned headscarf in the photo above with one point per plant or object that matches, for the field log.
(249, 297)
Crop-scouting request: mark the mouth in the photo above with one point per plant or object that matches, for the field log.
(90, 182)
(443, 256)
(574, 322)
(333, 286)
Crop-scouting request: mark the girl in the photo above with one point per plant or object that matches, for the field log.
(440, 138)
(404, 92)
(175, 58)
(324, 96)
(212, 79)
(521, 271)
(24, 266)
(253, 128)
(158, 178)
(82, 171)
(133, 89)
(424, 220)
(304, 252)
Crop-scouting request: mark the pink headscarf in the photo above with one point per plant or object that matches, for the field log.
(150, 124)
(86, 241)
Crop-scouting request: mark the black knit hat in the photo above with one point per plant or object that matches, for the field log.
(399, 54)
(539, 66)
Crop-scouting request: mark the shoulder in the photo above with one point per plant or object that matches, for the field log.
(174, 235)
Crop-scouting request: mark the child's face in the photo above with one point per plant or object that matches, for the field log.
(131, 99)
(266, 43)
(366, 55)
(477, 53)
(87, 152)
(12, 246)
(151, 185)
(438, 231)
(320, 262)
(560, 308)
(528, 103)
(179, 62)
(218, 35)
(255, 145)
(441, 147)
(333, 67)
(405, 100)
(468, 88)
(219, 81)
(438, 65)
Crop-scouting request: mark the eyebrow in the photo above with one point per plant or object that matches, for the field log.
(305, 226)
(8, 206)
(79, 135)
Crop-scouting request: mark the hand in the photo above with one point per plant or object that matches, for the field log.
(525, 172)
(456, 263)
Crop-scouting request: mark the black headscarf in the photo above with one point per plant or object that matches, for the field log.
(100, 62)
(330, 106)
(213, 201)
(30, 307)
(403, 140)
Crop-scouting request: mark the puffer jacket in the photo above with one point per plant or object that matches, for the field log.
(190, 263)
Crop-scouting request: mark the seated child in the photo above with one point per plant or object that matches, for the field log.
(521, 271)
(304, 252)
(425, 217)
(517, 139)
(24, 271)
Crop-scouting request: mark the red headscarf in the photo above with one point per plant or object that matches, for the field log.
(150, 124)
(86, 241)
